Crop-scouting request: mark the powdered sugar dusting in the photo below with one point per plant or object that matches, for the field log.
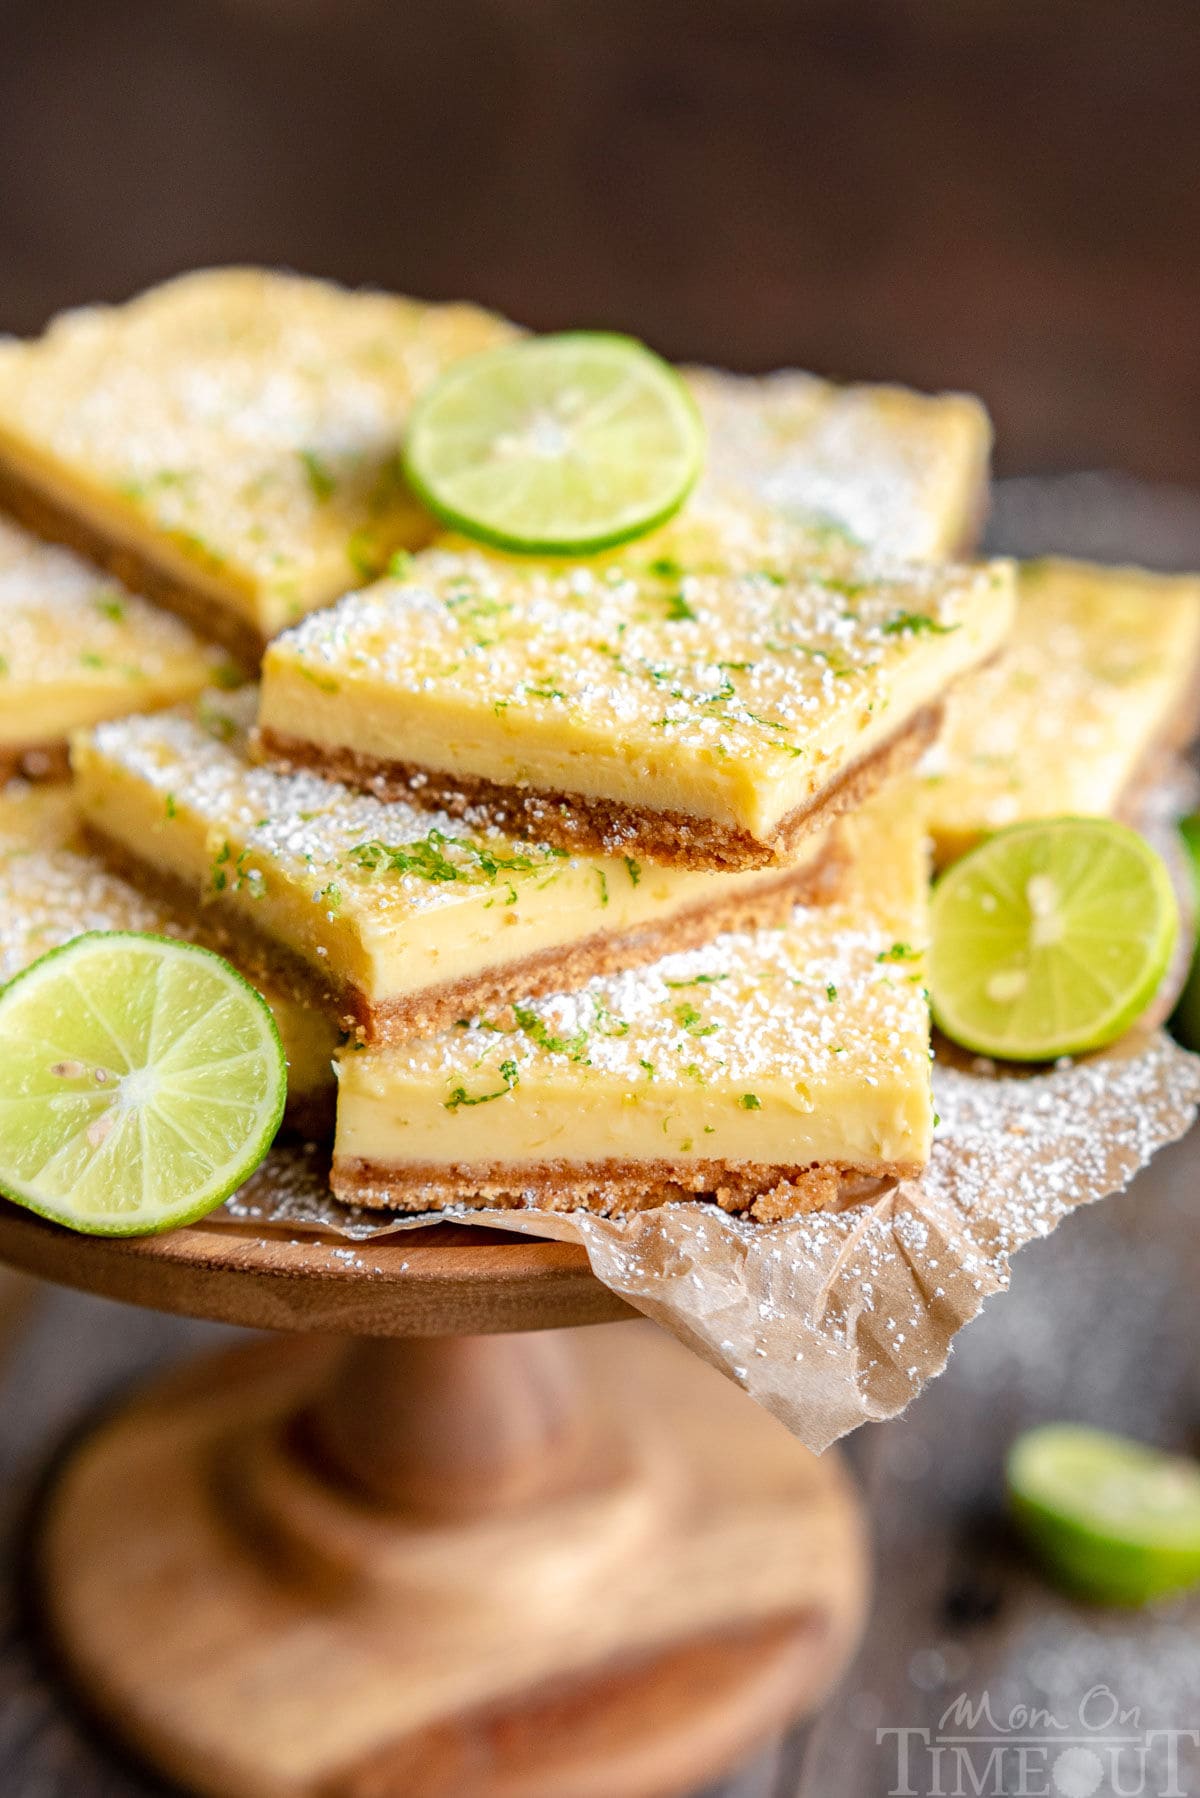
(65, 625)
(728, 638)
(302, 827)
(837, 994)
(839, 1318)
(1090, 679)
(269, 409)
(887, 465)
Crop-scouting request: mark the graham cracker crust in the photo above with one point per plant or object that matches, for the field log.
(607, 1188)
(436, 1008)
(308, 1114)
(35, 761)
(46, 517)
(576, 822)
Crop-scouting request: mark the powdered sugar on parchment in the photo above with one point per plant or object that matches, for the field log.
(839, 1318)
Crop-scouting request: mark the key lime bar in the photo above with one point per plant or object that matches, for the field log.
(398, 920)
(701, 709)
(774, 1071)
(903, 471)
(228, 442)
(1099, 674)
(52, 889)
(75, 647)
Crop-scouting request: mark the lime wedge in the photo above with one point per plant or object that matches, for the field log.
(1186, 1021)
(141, 1081)
(1111, 1519)
(557, 445)
(1050, 938)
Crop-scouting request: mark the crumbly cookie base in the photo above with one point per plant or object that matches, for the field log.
(35, 761)
(44, 515)
(310, 1113)
(577, 822)
(766, 1193)
(563, 969)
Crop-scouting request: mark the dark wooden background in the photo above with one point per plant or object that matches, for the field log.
(997, 194)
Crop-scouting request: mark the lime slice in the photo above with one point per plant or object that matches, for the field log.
(1112, 1519)
(141, 1081)
(1050, 938)
(557, 445)
(1186, 1021)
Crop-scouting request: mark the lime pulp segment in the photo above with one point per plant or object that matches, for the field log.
(1114, 1520)
(556, 445)
(1050, 938)
(141, 1081)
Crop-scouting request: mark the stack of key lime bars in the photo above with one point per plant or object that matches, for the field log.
(578, 831)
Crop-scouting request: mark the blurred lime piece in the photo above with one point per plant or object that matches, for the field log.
(556, 445)
(1050, 938)
(141, 1081)
(1112, 1520)
(1186, 1021)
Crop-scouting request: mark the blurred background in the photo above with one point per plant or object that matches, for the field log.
(992, 194)
(988, 194)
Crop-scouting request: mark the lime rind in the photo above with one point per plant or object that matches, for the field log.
(1186, 1019)
(1009, 982)
(116, 1097)
(531, 500)
(1111, 1520)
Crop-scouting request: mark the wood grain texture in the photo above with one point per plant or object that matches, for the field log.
(435, 1282)
(1101, 1324)
(653, 1575)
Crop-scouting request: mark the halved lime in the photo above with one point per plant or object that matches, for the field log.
(1111, 1519)
(556, 445)
(141, 1081)
(1186, 1021)
(1050, 938)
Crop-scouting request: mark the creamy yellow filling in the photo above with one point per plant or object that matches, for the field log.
(239, 427)
(51, 890)
(782, 1047)
(729, 670)
(1099, 663)
(383, 898)
(75, 647)
(895, 469)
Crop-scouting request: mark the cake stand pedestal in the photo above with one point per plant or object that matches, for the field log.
(434, 1543)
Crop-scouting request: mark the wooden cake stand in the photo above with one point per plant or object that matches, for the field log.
(433, 1542)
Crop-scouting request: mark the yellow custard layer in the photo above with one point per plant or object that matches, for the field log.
(1098, 670)
(801, 1045)
(379, 898)
(239, 428)
(53, 889)
(75, 647)
(902, 471)
(730, 667)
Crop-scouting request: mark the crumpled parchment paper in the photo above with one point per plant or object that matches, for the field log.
(839, 1318)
